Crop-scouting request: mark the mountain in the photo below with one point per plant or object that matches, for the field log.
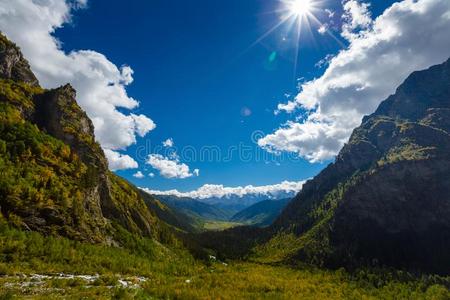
(234, 199)
(54, 175)
(385, 201)
(386, 198)
(196, 209)
(173, 216)
(260, 214)
(237, 203)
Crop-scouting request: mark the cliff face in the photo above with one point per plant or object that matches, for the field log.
(386, 198)
(55, 176)
(13, 65)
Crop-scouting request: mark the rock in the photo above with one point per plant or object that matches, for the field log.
(13, 65)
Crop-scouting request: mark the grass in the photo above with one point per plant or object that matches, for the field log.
(172, 273)
(239, 280)
(219, 225)
(244, 280)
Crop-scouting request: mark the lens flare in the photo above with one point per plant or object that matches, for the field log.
(300, 7)
(297, 20)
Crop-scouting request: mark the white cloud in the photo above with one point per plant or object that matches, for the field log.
(322, 29)
(118, 161)
(410, 35)
(143, 124)
(219, 191)
(151, 175)
(100, 84)
(357, 18)
(168, 143)
(169, 168)
(196, 172)
(138, 175)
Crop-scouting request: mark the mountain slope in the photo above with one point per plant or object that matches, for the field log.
(55, 178)
(171, 216)
(386, 198)
(261, 214)
(196, 209)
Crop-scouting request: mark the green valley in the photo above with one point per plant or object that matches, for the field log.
(374, 224)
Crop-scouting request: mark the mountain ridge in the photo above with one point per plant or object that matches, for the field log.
(56, 179)
(387, 180)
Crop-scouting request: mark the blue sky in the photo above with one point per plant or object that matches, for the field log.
(202, 73)
(194, 75)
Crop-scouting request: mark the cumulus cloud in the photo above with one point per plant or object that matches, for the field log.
(220, 191)
(357, 18)
(100, 84)
(410, 35)
(118, 161)
(151, 175)
(168, 143)
(142, 124)
(170, 167)
(138, 175)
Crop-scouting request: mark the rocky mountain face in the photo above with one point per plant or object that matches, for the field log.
(54, 175)
(386, 198)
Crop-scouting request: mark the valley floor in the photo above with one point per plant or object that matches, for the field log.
(33, 266)
(237, 280)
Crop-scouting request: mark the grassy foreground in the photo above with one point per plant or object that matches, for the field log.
(37, 267)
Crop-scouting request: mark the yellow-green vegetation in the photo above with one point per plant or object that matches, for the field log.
(152, 270)
(219, 225)
(37, 170)
(31, 252)
(18, 93)
(243, 280)
(187, 279)
(406, 152)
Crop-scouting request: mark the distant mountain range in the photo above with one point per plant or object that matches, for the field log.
(235, 198)
(197, 213)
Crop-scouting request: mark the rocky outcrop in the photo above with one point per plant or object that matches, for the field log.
(13, 65)
(80, 198)
(386, 198)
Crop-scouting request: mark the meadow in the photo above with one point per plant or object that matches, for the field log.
(149, 270)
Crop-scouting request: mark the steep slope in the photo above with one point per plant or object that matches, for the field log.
(54, 175)
(386, 198)
(196, 209)
(261, 214)
(173, 217)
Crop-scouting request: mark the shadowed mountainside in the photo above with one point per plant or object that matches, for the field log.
(384, 201)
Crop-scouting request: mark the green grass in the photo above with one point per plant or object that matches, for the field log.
(172, 273)
(30, 252)
(240, 280)
(243, 280)
(219, 225)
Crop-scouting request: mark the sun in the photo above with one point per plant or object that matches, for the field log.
(300, 8)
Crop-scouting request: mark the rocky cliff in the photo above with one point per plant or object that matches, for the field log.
(54, 175)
